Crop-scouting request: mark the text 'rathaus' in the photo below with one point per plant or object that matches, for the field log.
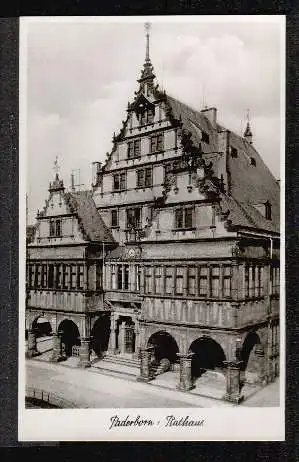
(170, 263)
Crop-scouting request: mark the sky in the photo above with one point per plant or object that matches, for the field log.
(79, 76)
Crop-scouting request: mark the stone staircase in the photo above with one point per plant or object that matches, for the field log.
(117, 365)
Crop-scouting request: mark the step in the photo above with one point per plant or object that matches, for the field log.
(121, 360)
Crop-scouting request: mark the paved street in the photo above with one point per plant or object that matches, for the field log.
(90, 388)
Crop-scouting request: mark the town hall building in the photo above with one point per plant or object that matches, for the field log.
(171, 261)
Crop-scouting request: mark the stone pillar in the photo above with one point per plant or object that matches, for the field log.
(31, 344)
(260, 362)
(112, 338)
(233, 383)
(85, 352)
(137, 339)
(122, 333)
(57, 350)
(146, 373)
(186, 382)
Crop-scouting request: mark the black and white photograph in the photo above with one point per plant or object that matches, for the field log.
(152, 210)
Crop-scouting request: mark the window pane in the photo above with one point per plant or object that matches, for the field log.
(114, 218)
(126, 277)
(116, 181)
(160, 143)
(119, 277)
(130, 149)
(168, 280)
(179, 218)
(122, 181)
(158, 280)
(191, 281)
(179, 281)
(137, 148)
(153, 143)
(148, 177)
(203, 281)
(188, 217)
(140, 178)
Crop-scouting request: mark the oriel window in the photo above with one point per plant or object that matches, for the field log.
(215, 281)
(203, 281)
(179, 281)
(169, 280)
(158, 279)
(227, 281)
(191, 280)
(148, 280)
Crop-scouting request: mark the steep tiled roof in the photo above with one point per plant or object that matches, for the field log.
(250, 181)
(91, 221)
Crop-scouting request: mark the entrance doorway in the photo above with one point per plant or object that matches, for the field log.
(70, 336)
(100, 334)
(208, 356)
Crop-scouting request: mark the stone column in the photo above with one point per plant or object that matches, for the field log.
(186, 382)
(146, 373)
(260, 362)
(233, 383)
(31, 344)
(85, 352)
(137, 339)
(122, 333)
(112, 338)
(57, 350)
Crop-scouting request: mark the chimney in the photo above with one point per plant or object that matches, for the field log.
(211, 115)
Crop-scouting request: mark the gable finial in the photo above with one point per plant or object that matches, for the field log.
(248, 133)
(147, 27)
(56, 167)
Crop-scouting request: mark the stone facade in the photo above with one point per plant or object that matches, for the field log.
(185, 267)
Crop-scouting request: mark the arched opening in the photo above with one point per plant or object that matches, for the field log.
(250, 360)
(100, 334)
(208, 356)
(70, 336)
(41, 327)
(165, 349)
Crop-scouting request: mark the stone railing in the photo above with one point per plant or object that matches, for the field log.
(48, 398)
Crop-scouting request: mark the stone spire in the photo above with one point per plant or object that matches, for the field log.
(57, 184)
(248, 133)
(147, 74)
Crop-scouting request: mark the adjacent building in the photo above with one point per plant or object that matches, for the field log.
(172, 260)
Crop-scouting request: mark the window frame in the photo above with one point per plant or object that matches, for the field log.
(120, 179)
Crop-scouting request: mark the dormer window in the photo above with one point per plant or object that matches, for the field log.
(147, 116)
(233, 152)
(253, 161)
(205, 137)
(55, 228)
(265, 209)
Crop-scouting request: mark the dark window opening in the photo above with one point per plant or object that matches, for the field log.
(253, 161)
(233, 152)
(119, 181)
(205, 137)
(134, 218)
(134, 149)
(156, 143)
(114, 218)
(184, 218)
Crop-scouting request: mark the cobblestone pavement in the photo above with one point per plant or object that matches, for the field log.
(91, 389)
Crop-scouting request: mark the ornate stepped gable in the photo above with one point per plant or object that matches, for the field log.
(248, 180)
(82, 206)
